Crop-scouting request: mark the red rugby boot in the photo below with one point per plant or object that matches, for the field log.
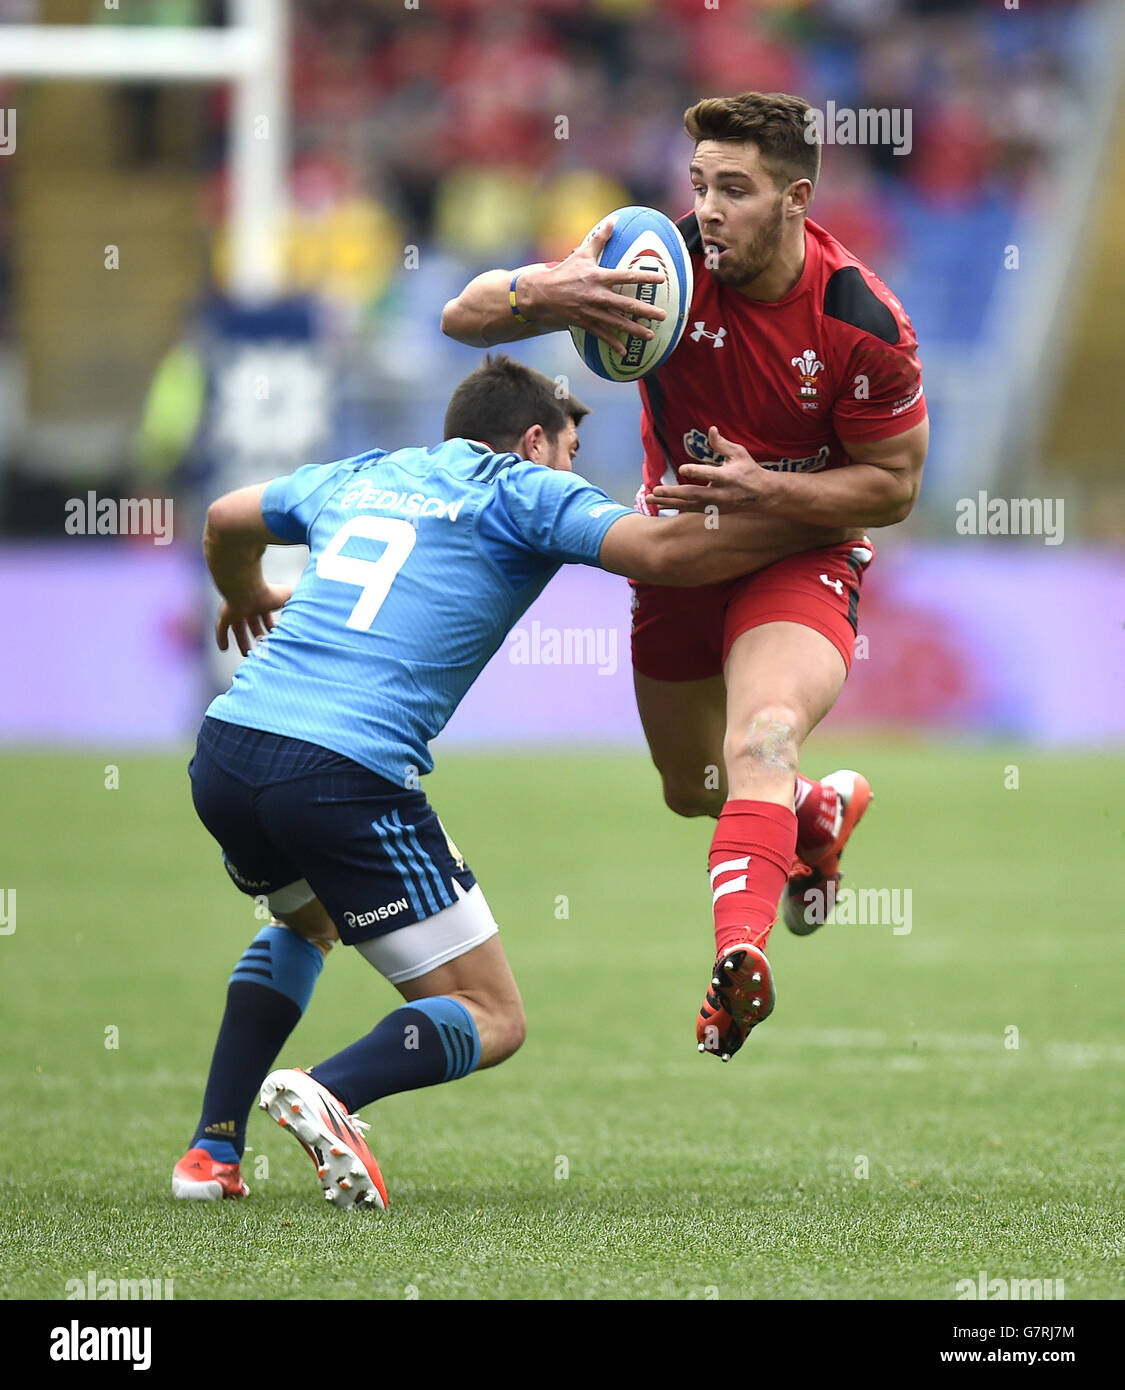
(810, 894)
(198, 1176)
(740, 997)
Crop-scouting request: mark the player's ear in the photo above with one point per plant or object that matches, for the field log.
(798, 196)
(534, 444)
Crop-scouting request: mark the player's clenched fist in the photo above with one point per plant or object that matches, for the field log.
(739, 481)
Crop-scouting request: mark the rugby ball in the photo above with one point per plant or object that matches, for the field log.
(642, 239)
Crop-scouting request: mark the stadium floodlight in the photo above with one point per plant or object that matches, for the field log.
(250, 55)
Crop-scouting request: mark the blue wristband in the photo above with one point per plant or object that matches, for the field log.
(512, 299)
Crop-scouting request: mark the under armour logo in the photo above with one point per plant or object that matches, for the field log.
(702, 331)
(836, 584)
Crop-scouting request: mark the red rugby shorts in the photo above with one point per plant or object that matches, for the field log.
(687, 634)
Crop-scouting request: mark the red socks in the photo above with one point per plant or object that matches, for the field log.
(817, 806)
(751, 855)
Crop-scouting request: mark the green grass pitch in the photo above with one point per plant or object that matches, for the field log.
(879, 1137)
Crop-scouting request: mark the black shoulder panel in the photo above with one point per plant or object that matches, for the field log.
(689, 230)
(849, 298)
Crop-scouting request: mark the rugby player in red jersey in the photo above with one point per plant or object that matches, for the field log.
(794, 396)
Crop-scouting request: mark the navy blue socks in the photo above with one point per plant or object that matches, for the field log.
(421, 1044)
(268, 992)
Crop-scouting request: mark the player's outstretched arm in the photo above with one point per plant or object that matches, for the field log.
(481, 315)
(685, 551)
(575, 291)
(234, 541)
(879, 488)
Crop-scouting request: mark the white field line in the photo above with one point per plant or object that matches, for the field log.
(1062, 1054)
(855, 1049)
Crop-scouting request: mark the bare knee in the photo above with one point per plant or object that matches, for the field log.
(311, 921)
(500, 1021)
(512, 1033)
(698, 791)
(767, 745)
(502, 1030)
(686, 799)
(482, 981)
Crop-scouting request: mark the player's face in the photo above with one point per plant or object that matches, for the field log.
(739, 209)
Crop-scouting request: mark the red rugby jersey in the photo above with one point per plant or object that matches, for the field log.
(836, 358)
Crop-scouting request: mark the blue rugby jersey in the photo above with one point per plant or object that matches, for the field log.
(421, 561)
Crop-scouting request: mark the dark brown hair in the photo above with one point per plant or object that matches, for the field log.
(501, 400)
(778, 124)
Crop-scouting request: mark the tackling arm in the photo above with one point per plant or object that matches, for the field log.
(686, 551)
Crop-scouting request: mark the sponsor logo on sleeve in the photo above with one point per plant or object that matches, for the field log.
(907, 401)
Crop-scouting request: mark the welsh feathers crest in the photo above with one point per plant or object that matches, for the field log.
(808, 364)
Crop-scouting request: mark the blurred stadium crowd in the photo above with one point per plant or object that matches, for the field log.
(431, 142)
(448, 118)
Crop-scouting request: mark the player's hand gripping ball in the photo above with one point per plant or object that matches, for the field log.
(642, 239)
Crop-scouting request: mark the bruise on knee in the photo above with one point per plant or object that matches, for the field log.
(772, 743)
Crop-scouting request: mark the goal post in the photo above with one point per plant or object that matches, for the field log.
(251, 55)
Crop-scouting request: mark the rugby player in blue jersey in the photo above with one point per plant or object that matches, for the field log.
(307, 769)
